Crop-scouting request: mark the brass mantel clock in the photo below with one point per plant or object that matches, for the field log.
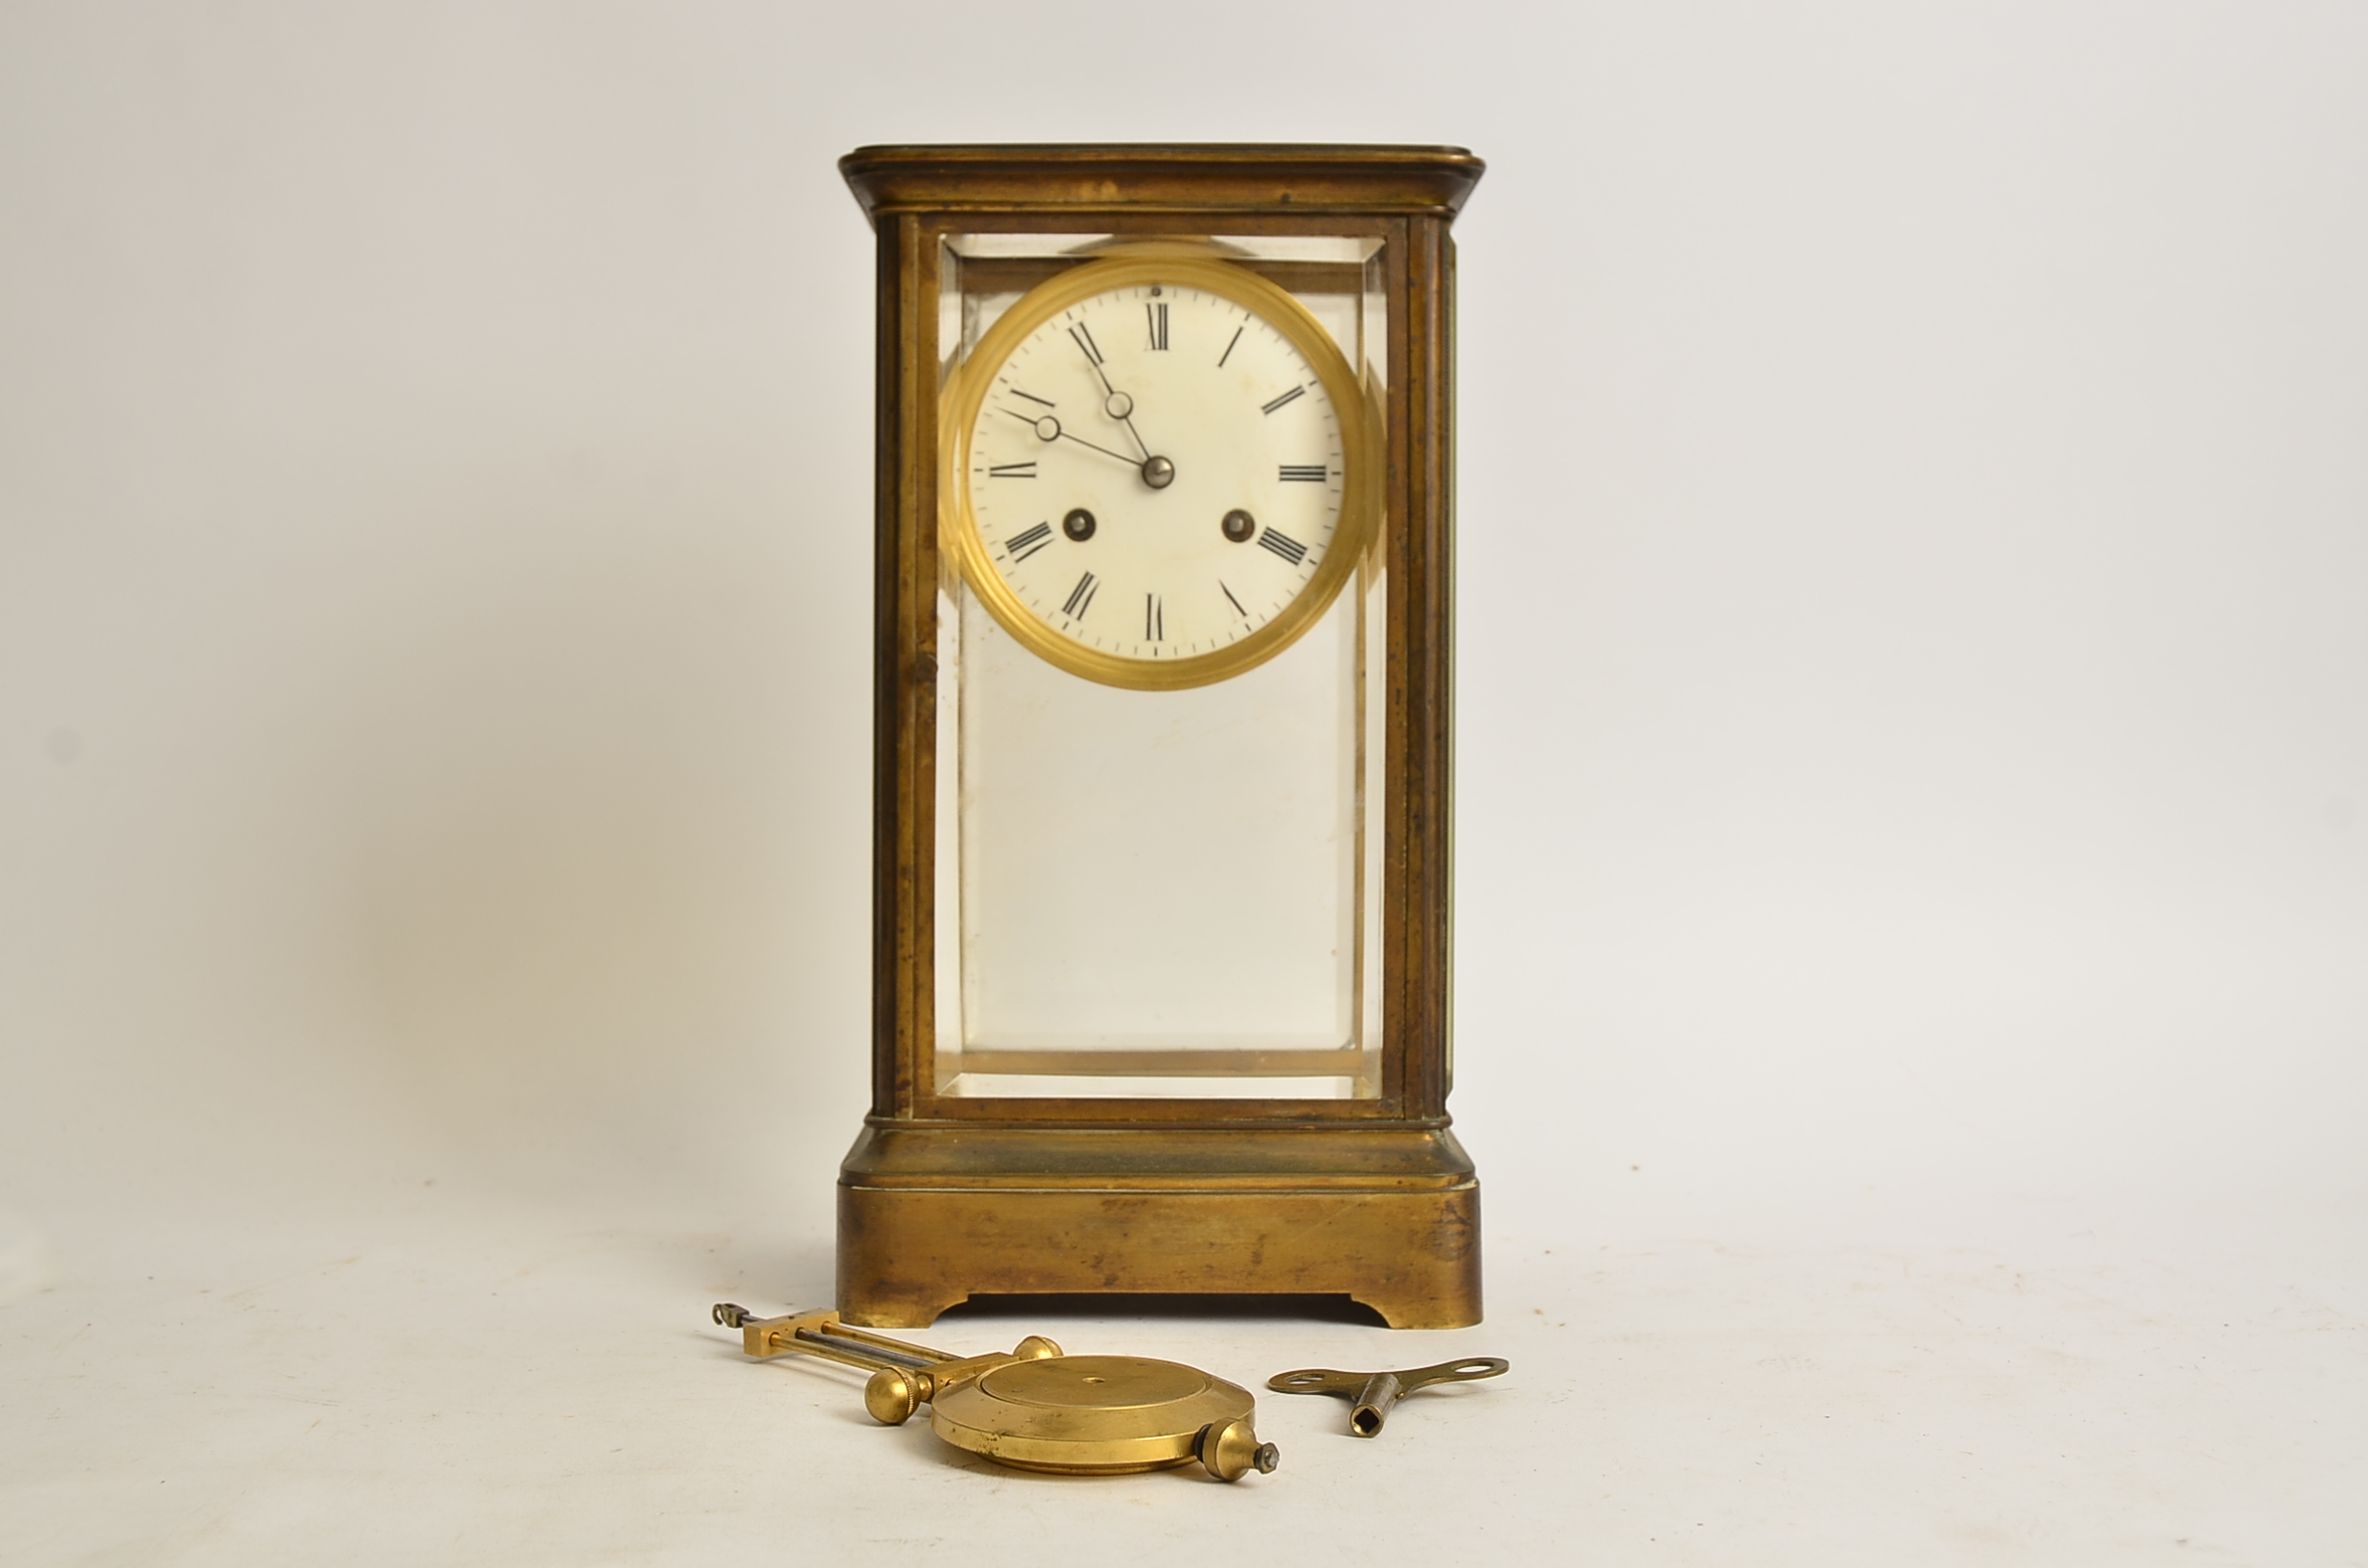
(1160, 936)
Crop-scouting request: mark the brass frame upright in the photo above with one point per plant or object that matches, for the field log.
(942, 1197)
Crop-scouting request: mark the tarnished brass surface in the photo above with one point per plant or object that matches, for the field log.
(1244, 178)
(945, 1196)
(928, 1217)
(1372, 1393)
(1035, 1409)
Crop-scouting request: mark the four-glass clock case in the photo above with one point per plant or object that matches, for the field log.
(1163, 720)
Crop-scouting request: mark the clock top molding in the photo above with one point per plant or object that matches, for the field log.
(1314, 179)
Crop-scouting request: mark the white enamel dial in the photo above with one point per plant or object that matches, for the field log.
(1156, 472)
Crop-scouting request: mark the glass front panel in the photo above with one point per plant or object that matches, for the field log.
(1169, 893)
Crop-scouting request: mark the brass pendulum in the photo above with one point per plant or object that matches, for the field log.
(1032, 1407)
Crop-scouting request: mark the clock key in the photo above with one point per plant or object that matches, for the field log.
(1374, 1392)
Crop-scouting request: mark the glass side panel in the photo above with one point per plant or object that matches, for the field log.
(1167, 894)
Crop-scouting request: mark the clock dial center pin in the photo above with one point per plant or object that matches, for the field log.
(1158, 473)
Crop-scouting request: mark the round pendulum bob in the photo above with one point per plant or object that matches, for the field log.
(1101, 1416)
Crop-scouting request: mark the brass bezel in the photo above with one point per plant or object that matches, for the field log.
(965, 389)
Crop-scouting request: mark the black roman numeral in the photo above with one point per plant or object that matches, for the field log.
(1230, 600)
(1020, 546)
(1295, 393)
(1012, 471)
(1283, 545)
(1306, 473)
(1155, 316)
(1080, 597)
(1085, 342)
(1154, 618)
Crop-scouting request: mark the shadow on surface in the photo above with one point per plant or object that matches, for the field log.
(1319, 1309)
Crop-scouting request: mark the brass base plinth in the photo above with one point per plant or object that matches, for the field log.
(931, 1215)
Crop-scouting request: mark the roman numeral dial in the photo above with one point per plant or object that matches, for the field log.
(1153, 470)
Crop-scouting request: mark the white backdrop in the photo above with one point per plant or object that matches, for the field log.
(1913, 718)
